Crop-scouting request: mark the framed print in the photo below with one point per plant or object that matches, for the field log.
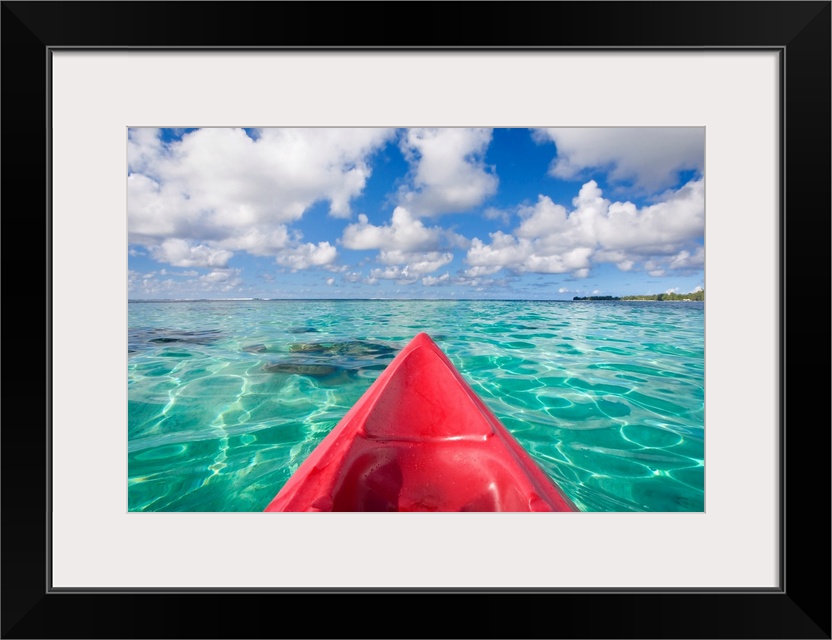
(741, 548)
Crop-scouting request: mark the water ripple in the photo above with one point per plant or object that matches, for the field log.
(226, 399)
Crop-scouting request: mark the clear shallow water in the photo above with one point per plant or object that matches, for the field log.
(226, 399)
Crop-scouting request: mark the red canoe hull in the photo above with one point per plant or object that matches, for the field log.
(420, 439)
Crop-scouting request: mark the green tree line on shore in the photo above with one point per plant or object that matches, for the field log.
(693, 296)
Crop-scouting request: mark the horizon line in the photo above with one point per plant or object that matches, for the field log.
(613, 299)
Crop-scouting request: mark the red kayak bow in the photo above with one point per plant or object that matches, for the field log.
(420, 439)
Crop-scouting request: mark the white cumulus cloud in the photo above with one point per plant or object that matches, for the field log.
(650, 158)
(401, 275)
(449, 174)
(215, 281)
(181, 253)
(432, 281)
(224, 280)
(658, 228)
(307, 255)
(220, 190)
(662, 236)
(404, 242)
(686, 260)
(417, 263)
(404, 233)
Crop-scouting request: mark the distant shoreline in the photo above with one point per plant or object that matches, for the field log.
(561, 300)
(693, 296)
(624, 300)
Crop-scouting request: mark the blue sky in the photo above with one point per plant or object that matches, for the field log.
(414, 213)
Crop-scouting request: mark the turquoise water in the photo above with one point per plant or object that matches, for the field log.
(226, 399)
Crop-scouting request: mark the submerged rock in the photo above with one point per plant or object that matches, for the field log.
(255, 348)
(349, 348)
(309, 347)
(167, 336)
(303, 369)
(303, 330)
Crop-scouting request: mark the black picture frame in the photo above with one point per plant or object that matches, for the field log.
(799, 608)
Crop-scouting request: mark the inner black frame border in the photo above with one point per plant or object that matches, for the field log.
(31, 31)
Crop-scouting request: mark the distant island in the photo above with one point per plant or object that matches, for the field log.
(694, 296)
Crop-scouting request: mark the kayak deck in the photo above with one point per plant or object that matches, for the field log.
(420, 439)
